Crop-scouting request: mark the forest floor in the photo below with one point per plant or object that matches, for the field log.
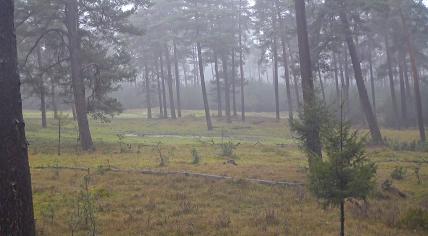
(113, 198)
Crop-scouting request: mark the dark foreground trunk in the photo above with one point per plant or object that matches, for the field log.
(72, 23)
(364, 98)
(16, 205)
(204, 90)
(342, 218)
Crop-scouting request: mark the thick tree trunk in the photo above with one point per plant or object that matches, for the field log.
(158, 80)
(275, 66)
(418, 99)
(226, 88)
(16, 204)
(165, 108)
(204, 90)
(169, 82)
(217, 80)
(364, 98)
(391, 83)
(285, 62)
(72, 24)
(309, 99)
(177, 81)
(233, 84)
(148, 92)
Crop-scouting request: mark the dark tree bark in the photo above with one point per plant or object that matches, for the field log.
(165, 108)
(158, 80)
(169, 83)
(342, 218)
(16, 204)
(72, 24)
(233, 84)
(148, 92)
(403, 94)
(177, 81)
(418, 99)
(309, 99)
(364, 98)
(275, 65)
(217, 80)
(204, 90)
(226, 88)
(391, 82)
(285, 62)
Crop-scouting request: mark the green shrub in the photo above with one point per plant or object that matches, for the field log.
(398, 173)
(227, 149)
(415, 219)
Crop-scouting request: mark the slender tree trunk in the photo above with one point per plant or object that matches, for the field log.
(72, 23)
(336, 75)
(406, 77)
(321, 84)
(16, 204)
(42, 88)
(391, 83)
(233, 84)
(402, 89)
(295, 80)
(418, 99)
(241, 64)
(158, 80)
(275, 66)
(165, 108)
(364, 98)
(204, 90)
(342, 218)
(372, 82)
(226, 88)
(309, 99)
(285, 62)
(347, 81)
(53, 101)
(148, 92)
(217, 75)
(185, 73)
(177, 81)
(169, 82)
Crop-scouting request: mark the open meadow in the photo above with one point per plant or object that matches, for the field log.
(171, 177)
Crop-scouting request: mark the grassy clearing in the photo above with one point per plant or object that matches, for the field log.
(134, 204)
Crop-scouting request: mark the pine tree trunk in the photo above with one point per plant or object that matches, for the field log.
(148, 92)
(158, 80)
(336, 75)
(169, 83)
(275, 66)
(165, 108)
(204, 90)
(217, 75)
(391, 83)
(285, 62)
(372, 82)
(402, 89)
(241, 64)
(321, 84)
(16, 204)
(72, 24)
(364, 98)
(41, 88)
(309, 98)
(418, 99)
(226, 88)
(233, 84)
(177, 81)
(53, 101)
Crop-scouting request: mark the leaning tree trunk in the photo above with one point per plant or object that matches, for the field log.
(148, 92)
(226, 88)
(72, 23)
(391, 83)
(418, 99)
(364, 98)
(285, 62)
(217, 80)
(16, 204)
(309, 99)
(177, 81)
(204, 89)
(169, 83)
